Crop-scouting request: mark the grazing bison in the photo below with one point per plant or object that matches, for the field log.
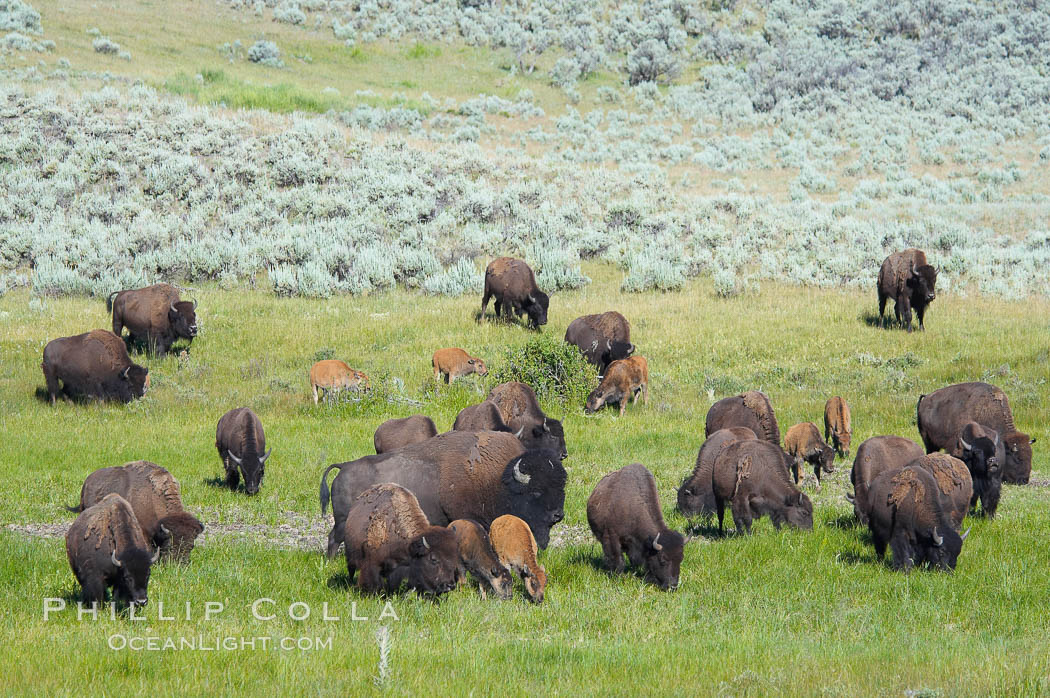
(333, 375)
(982, 452)
(511, 282)
(456, 363)
(909, 281)
(459, 475)
(601, 339)
(942, 414)
(837, 428)
(154, 497)
(624, 515)
(395, 433)
(877, 455)
(907, 513)
(754, 477)
(624, 380)
(92, 365)
(953, 482)
(484, 416)
(240, 439)
(803, 443)
(106, 548)
(751, 409)
(520, 408)
(516, 548)
(391, 542)
(477, 556)
(154, 316)
(697, 494)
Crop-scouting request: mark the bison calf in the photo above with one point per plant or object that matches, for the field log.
(837, 428)
(910, 281)
(333, 375)
(239, 439)
(754, 477)
(456, 363)
(395, 433)
(624, 515)
(516, 548)
(804, 445)
(623, 380)
(511, 282)
(477, 556)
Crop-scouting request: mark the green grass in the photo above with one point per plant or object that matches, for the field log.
(775, 613)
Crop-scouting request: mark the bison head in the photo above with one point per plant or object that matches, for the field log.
(479, 366)
(941, 549)
(134, 381)
(534, 488)
(434, 560)
(690, 499)
(984, 461)
(183, 318)
(798, 511)
(133, 567)
(1018, 466)
(535, 305)
(663, 558)
(598, 399)
(535, 583)
(841, 441)
(614, 351)
(923, 282)
(547, 435)
(827, 459)
(177, 534)
(252, 468)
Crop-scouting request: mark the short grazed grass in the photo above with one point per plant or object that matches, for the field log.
(775, 613)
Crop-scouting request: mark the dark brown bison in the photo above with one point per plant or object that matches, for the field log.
(804, 445)
(106, 548)
(522, 413)
(697, 493)
(981, 450)
(942, 414)
(395, 433)
(154, 316)
(753, 475)
(624, 515)
(511, 282)
(751, 409)
(602, 338)
(391, 542)
(484, 416)
(92, 365)
(154, 497)
(877, 455)
(953, 482)
(240, 440)
(907, 514)
(909, 281)
(837, 428)
(477, 556)
(459, 475)
(625, 379)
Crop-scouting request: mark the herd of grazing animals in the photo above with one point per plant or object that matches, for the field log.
(482, 498)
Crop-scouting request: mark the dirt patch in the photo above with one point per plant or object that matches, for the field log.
(1038, 483)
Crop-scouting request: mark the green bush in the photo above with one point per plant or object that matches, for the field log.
(555, 369)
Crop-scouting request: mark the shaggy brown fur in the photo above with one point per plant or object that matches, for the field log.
(514, 544)
(333, 375)
(953, 481)
(154, 315)
(94, 364)
(874, 456)
(477, 557)
(697, 495)
(521, 412)
(396, 433)
(611, 324)
(513, 285)
(751, 409)
(455, 363)
(910, 281)
(838, 430)
(623, 380)
(753, 475)
(484, 416)
(803, 443)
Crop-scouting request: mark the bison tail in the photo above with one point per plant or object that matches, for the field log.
(76, 510)
(325, 494)
(109, 301)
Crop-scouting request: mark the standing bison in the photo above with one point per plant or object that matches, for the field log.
(754, 477)
(240, 440)
(909, 280)
(751, 409)
(333, 376)
(875, 456)
(804, 444)
(953, 481)
(511, 282)
(154, 315)
(92, 365)
(625, 379)
(521, 412)
(697, 494)
(838, 430)
(395, 433)
(942, 414)
(980, 449)
(602, 338)
(453, 363)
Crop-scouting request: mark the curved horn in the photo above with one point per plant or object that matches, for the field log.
(155, 557)
(520, 431)
(656, 543)
(425, 544)
(125, 372)
(520, 476)
(173, 308)
(194, 304)
(963, 537)
(236, 460)
(265, 456)
(938, 540)
(913, 268)
(545, 427)
(165, 529)
(966, 446)
(850, 497)
(114, 560)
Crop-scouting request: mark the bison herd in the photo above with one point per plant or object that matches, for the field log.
(428, 508)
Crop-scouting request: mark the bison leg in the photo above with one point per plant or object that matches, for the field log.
(334, 540)
(920, 311)
(720, 508)
(879, 541)
(742, 514)
(52, 382)
(368, 579)
(93, 590)
(613, 553)
(903, 553)
(882, 309)
(118, 323)
(233, 475)
(904, 306)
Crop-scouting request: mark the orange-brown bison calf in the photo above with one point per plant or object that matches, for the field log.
(333, 375)
(623, 379)
(453, 363)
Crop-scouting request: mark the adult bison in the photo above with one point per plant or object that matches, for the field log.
(601, 338)
(521, 412)
(875, 456)
(92, 365)
(942, 414)
(484, 416)
(395, 433)
(953, 482)
(979, 448)
(753, 475)
(458, 475)
(751, 409)
(697, 494)
(909, 280)
(241, 443)
(511, 282)
(154, 315)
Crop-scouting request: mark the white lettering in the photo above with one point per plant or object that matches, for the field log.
(305, 610)
(213, 608)
(353, 612)
(117, 642)
(53, 604)
(255, 609)
(160, 612)
(388, 612)
(324, 611)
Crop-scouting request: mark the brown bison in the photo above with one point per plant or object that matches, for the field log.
(395, 433)
(92, 365)
(459, 475)
(754, 477)
(522, 413)
(907, 513)
(154, 497)
(877, 455)
(484, 416)
(981, 450)
(953, 482)
(511, 282)
(477, 556)
(333, 375)
(624, 380)
(909, 281)
(455, 363)
(803, 443)
(516, 548)
(240, 440)
(942, 414)
(602, 338)
(837, 428)
(751, 409)
(697, 494)
(624, 515)
(154, 316)
(391, 542)
(106, 548)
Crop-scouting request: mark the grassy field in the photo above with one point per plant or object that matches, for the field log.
(775, 613)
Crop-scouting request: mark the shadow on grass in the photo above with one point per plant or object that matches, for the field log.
(341, 582)
(843, 521)
(852, 557)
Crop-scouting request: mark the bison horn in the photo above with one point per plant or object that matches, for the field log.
(801, 498)
(550, 462)
(173, 308)
(938, 540)
(236, 460)
(608, 344)
(265, 456)
(194, 304)
(114, 560)
(165, 529)
(156, 556)
(520, 431)
(995, 438)
(850, 498)
(545, 427)
(520, 476)
(125, 373)
(656, 543)
(963, 537)
(966, 446)
(425, 544)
